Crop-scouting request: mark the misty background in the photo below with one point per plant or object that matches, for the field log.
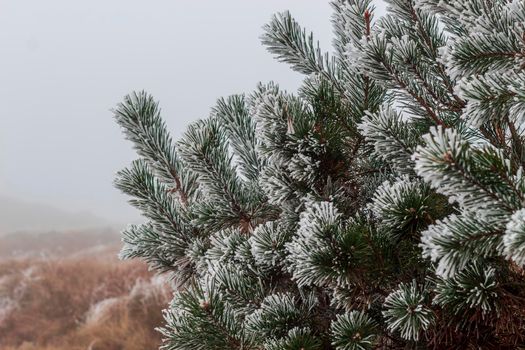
(66, 64)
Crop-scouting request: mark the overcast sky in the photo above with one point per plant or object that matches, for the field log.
(65, 64)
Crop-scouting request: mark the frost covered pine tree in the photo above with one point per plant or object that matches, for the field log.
(381, 206)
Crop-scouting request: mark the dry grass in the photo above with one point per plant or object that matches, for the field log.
(82, 302)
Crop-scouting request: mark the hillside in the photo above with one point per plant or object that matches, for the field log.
(57, 243)
(20, 215)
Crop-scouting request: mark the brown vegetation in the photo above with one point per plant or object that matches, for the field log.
(87, 301)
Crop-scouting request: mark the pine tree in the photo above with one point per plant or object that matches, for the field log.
(380, 206)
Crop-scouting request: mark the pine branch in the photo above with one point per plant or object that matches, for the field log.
(393, 139)
(139, 117)
(406, 311)
(204, 150)
(354, 331)
(289, 42)
(467, 174)
(238, 123)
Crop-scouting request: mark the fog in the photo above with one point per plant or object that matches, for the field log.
(66, 63)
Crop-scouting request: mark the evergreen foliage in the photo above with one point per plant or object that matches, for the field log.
(381, 206)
